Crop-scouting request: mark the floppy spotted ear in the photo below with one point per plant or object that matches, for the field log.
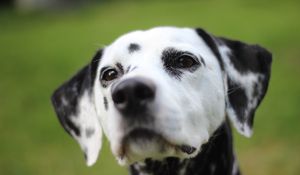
(74, 105)
(246, 70)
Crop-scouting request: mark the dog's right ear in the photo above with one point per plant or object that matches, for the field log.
(74, 105)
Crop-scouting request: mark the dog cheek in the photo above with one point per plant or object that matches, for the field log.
(214, 113)
(114, 130)
(198, 122)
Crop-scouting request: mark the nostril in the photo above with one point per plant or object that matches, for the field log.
(144, 92)
(119, 97)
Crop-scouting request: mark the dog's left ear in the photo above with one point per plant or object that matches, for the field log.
(246, 70)
(74, 105)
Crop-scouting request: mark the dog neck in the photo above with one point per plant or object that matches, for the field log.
(216, 158)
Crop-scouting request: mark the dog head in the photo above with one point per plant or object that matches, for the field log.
(162, 92)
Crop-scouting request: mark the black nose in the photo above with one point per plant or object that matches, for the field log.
(133, 95)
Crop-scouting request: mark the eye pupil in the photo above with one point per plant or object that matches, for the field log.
(110, 75)
(185, 62)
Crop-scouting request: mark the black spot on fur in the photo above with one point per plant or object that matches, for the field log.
(89, 132)
(105, 103)
(133, 47)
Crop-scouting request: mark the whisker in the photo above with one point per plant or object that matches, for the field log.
(232, 90)
(96, 60)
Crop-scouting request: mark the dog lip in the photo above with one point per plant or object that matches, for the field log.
(148, 134)
(187, 149)
(145, 134)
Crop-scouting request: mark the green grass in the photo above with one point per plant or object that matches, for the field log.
(38, 51)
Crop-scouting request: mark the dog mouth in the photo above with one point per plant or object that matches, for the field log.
(145, 142)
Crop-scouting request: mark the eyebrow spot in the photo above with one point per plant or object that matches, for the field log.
(202, 61)
(169, 56)
(133, 47)
(119, 65)
(128, 69)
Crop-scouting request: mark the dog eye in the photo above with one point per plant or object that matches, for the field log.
(185, 61)
(109, 75)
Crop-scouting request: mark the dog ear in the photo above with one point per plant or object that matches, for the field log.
(74, 105)
(246, 70)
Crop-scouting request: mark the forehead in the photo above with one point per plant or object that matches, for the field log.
(153, 41)
(158, 36)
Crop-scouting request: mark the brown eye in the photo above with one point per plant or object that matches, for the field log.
(109, 75)
(185, 61)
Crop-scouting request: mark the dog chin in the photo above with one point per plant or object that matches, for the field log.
(140, 144)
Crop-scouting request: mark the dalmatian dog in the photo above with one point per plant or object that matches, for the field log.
(165, 98)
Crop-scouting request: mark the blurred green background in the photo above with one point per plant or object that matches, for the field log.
(41, 49)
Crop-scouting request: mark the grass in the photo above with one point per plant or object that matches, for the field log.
(38, 51)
